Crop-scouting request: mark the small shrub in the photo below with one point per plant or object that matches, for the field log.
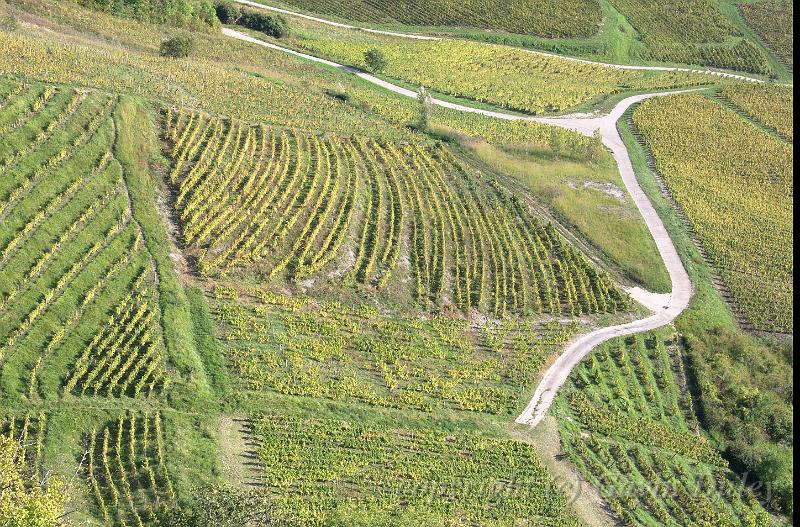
(177, 47)
(273, 25)
(375, 60)
(340, 94)
(228, 13)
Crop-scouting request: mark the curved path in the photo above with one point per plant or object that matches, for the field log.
(535, 52)
(665, 307)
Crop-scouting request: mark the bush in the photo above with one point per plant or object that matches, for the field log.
(375, 60)
(228, 13)
(177, 47)
(272, 25)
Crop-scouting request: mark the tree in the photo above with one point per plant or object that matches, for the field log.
(177, 47)
(596, 148)
(24, 501)
(273, 25)
(375, 60)
(425, 104)
(228, 13)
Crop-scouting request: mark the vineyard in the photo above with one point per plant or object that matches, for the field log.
(70, 249)
(135, 68)
(124, 358)
(734, 183)
(299, 346)
(240, 287)
(29, 433)
(502, 76)
(628, 425)
(769, 106)
(545, 18)
(691, 32)
(299, 205)
(317, 470)
(773, 22)
(126, 472)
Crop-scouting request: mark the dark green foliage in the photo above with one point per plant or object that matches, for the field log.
(177, 47)
(228, 13)
(376, 60)
(746, 398)
(273, 25)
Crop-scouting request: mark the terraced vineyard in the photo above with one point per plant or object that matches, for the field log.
(69, 248)
(297, 205)
(299, 346)
(318, 471)
(126, 471)
(545, 18)
(769, 106)
(627, 424)
(773, 22)
(691, 32)
(734, 182)
(502, 76)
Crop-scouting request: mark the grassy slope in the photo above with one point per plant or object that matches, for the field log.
(592, 200)
(135, 147)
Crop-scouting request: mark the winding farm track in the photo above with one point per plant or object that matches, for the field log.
(665, 307)
(414, 36)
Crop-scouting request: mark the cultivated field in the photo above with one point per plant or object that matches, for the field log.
(296, 205)
(734, 182)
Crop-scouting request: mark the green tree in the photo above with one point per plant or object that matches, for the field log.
(24, 501)
(375, 60)
(177, 47)
(228, 13)
(273, 25)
